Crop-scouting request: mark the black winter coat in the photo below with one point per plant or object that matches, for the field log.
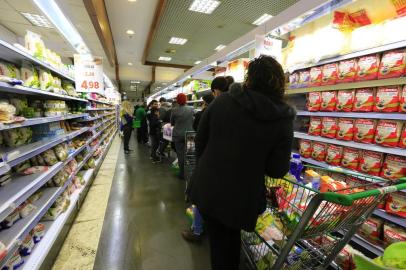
(242, 136)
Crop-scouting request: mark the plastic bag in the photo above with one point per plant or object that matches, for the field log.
(49, 157)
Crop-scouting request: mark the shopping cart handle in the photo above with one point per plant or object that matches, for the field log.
(341, 199)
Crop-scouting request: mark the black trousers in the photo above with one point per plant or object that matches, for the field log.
(127, 129)
(154, 145)
(225, 245)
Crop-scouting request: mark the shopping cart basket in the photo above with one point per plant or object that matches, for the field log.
(309, 228)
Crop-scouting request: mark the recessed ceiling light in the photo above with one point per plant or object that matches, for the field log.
(197, 62)
(177, 40)
(165, 58)
(37, 20)
(130, 64)
(130, 32)
(220, 47)
(262, 19)
(132, 0)
(135, 82)
(204, 6)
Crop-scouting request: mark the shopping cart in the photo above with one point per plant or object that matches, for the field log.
(309, 228)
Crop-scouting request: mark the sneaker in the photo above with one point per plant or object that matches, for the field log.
(189, 236)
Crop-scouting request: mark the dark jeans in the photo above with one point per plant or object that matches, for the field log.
(163, 145)
(127, 129)
(180, 152)
(154, 145)
(142, 133)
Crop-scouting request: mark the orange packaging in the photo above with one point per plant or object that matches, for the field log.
(387, 99)
(328, 184)
(364, 100)
(345, 100)
(315, 126)
(394, 167)
(392, 64)
(313, 101)
(304, 78)
(305, 148)
(329, 74)
(396, 204)
(368, 67)
(328, 101)
(329, 127)
(402, 141)
(388, 133)
(345, 129)
(347, 69)
(334, 154)
(350, 158)
(319, 151)
(315, 76)
(402, 105)
(364, 130)
(370, 162)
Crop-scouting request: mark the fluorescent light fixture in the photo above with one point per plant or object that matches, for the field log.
(136, 82)
(220, 47)
(130, 64)
(177, 40)
(37, 20)
(165, 58)
(130, 32)
(132, 0)
(262, 19)
(197, 62)
(204, 6)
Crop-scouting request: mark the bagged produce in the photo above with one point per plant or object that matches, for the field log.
(36, 196)
(368, 67)
(334, 154)
(25, 209)
(315, 76)
(315, 126)
(347, 69)
(364, 130)
(27, 246)
(34, 45)
(41, 161)
(328, 101)
(3, 251)
(313, 101)
(345, 129)
(364, 100)
(38, 232)
(29, 75)
(61, 152)
(396, 204)
(387, 99)
(350, 158)
(20, 104)
(60, 178)
(9, 70)
(394, 167)
(372, 229)
(329, 127)
(370, 162)
(22, 166)
(35, 169)
(319, 151)
(7, 112)
(69, 88)
(392, 64)
(46, 80)
(388, 133)
(330, 74)
(50, 157)
(345, 100)
(393, 234)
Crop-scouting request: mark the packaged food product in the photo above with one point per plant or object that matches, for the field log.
(61, 152)
(25, 209)
(22, 166)
(293, 80)
(14, 262)
(344, 258)
(60, 178)
(402, 141)
(334, 154)
(40, 160)
(50, 157)
(313, 101)
(347, 69)
(46, 80)
(9, 70)
(393, 234)
(368, 67)
(370, 162)
(328, 101)
(304, 78)
(27, 245)
(29, 75)
(3, 251)
(319, 151)
(7, 113)
(345, 100)
(329, 74)
(315, 126)
(315, 76)
(311, 176)
(394, 167)
(396, 204)
(5, 179)
(372, 228)
(345, 129)
(305, 148)
(402, 105)
(388, 132)
(392, 64)
(36, 196)
(20, 104)
(387, 99)
(364, 130)
(328, 184)
(38, 232)
(11, 219)
(350, 158)
(364, 100)
(35, 169)
(329, 127)
(34, 45)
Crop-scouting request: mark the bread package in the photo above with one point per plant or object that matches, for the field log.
(388, 132)
(368, 67)
(387, 99)
(345, 100)
(313, 101)
(394, 167)
(364, 130)
(328, 101)
(370, 162)
(347, 69)
(364, 100)
(329, 127)
(334, 153)
(345, 129)
(351, 157)
(392, 64)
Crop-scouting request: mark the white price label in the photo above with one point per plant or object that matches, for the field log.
(89, 74)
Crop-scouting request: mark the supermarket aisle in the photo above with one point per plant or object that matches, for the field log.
(144, 217)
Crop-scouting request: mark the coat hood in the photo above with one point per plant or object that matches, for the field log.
(260, 106)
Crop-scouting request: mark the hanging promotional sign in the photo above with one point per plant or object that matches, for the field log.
(89, 74)
(265, 45)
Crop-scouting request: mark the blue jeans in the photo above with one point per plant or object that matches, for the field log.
(197, 225)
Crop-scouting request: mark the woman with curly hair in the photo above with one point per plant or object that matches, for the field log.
(126, 122)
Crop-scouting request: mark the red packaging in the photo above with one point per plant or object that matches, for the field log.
(313, 101)
(329, 74)
(315, 76)
(328, 101)
(350, 158)
(304, 78)
(394, 167)
(294, 80)
(364, 130)
(329, 127)
(402, 105)
(387, 99)
(315, 126)
(345, 129)
(368, 67)
(370, 162)
(345, 100)
(396, 204)
(372, 228)
(388, 132)
(319, 151)
(392, 233)
(402, 141)
(364, 100)
(334, 154)
(347, 69)
(392, 64)
(305, 148)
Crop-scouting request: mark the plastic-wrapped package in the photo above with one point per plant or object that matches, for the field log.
(392, 64)
(34, 45)
(7, 112)
(402, 105)
(38, 232)
(319, 151)
(46, 80)
(69, 88)
(368, 67)
(9, 70)
(34, 161)
(61, 152)
(29, 75)
(350, 158)
(387, 99)
(22, 166)
(370, 162)
(41, 161)
(364, 130)
(59, 206)
(35, 197)
(90, 164)
(11, 219)
(50, 157)
(315, 126)
(328, 101)
(5, 179)
(19, 104)
(388, 132)
(313, 103)
(15, 262)
(402, 141)
(372, 228)
(334, 154)
(329, 127)
(25, 209)
(345, 129)
(3, 251)
(35, 169)
(394, 168)
(393, 234)
(27, 246)
(60, 178)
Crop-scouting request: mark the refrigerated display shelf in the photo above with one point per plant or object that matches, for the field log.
(88, 119)
(392, 218)
(369, 115)
(99, 109)
(99, 101)
(366, 245)
(370, 147)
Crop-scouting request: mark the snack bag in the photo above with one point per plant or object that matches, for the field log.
(387, 99)
(319, 151)
(364, 100)
(330, 74)
(368, 67)
(329, 127)
(315, 76)
(388, 133)
(350, 158)
(305, 148)
(328, 101)
(313, 101)
(364, 130)
(304, 78)
(402, 141)
(294, 80)
(394, 167)
(393, 234)
(370, 162)
(402, 105)
(315, 126)
(345, 100)
(345, 129)
(347, 69)
(396, 204)
(334, 154)
(392, 64)
(372, 228)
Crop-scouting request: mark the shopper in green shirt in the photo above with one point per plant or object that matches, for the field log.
(141, 124)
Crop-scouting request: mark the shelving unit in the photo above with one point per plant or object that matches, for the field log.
(99, 109)
(391, 116)
(99, 101)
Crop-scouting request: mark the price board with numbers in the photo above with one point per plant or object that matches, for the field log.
(89, 74)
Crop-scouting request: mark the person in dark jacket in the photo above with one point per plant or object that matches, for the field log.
(219, 86)
(207, 99)
(127, 121)
(243, 135)
(154, 132)
(230, 81)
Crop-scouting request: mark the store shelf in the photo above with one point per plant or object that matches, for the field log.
(369, 115)
(88, 119)
(99, 109)
(22, 90)
(366, 245)
(346, 86)
(16, 55)
(392, 218)
(99, 101)
(370, 147)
